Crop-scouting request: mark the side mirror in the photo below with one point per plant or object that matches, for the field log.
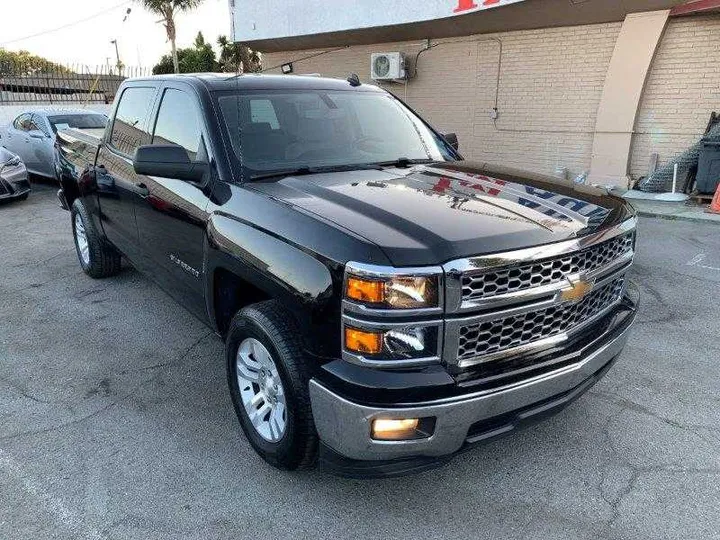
(452, 140)
(168, 161)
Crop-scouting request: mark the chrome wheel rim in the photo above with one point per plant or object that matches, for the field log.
(261, 390)
(81, 239)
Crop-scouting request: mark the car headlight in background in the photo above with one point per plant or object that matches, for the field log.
(13, 162)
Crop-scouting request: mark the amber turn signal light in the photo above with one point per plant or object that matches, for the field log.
(365, 290)
(363, 342)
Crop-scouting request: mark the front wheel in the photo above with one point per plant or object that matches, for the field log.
(268, 379)
(97, 258)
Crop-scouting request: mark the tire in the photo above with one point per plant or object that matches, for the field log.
(99, 260)
(273, 327)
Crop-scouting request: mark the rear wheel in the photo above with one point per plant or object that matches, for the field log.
(97, 258)
(268, 378)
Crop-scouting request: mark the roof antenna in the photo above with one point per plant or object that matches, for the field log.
(354, 80)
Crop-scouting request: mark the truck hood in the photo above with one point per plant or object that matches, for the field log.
(432, 214)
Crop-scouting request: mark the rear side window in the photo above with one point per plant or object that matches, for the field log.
(178, 122)
(130, 128)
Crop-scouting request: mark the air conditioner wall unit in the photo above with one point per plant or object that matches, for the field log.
(387, 66)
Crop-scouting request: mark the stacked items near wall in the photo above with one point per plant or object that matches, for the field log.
(661, 179)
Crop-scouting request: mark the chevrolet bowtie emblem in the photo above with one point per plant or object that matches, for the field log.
(579, 290)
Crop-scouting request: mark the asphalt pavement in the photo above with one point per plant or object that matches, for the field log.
(115, 421)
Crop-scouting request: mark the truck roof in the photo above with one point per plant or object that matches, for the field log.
(255, 81)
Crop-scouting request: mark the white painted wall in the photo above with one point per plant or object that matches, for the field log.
(269, 19)
(9, 112)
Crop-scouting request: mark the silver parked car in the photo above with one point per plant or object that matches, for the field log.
(32, 135)
(14, 182)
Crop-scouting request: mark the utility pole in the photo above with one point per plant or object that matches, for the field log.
(117, 55)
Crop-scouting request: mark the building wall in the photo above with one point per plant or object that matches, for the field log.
(681, 91)
(550, 87)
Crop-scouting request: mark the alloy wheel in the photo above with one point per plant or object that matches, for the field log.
(82, 241)
(261, 389)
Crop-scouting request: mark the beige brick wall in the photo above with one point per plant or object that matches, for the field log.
(682, 89)
(550, 87)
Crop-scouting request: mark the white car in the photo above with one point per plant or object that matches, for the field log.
(31, 135)
(14, 182)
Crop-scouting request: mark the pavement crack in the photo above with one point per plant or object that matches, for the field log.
(107, 406)
(26, 393)
(626, 404)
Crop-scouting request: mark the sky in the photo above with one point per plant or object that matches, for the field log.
(140, 38)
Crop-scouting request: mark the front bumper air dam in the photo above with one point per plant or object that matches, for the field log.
(344, 427)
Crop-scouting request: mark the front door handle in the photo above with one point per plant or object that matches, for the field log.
(142, 189)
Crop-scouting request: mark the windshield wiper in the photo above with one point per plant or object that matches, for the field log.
(300, 171)
(404, 162)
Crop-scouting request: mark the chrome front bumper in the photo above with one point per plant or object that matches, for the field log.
(344, 426)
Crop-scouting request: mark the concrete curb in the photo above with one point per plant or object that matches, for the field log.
(679, 217)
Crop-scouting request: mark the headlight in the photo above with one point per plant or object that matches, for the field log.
(392, 316)
(396, 290)
(397, 343)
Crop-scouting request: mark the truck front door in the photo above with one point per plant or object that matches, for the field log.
(172, 217)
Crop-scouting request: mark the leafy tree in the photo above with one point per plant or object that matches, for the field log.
(167, 9)
(25, 63)
(197, 59)
(236, 57)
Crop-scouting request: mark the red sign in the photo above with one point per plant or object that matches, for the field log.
(468, 5)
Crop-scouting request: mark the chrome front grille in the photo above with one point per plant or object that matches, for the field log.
(505, 280)
(486, 338)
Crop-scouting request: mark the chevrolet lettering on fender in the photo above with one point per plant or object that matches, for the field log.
(384, 303)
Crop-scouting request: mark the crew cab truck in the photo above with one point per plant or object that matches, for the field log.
(384, 303)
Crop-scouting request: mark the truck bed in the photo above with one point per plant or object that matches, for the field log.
(76, 151)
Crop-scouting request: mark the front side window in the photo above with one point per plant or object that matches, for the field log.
(178, 122)
(285, 130)
(130, 128)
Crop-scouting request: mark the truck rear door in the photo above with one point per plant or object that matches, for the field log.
(118, 185)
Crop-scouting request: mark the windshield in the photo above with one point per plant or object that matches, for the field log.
(288, 130)
(77, 121)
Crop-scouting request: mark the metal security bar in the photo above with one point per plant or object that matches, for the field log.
(50, 83)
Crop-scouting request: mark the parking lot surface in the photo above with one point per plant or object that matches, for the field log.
(115, 421)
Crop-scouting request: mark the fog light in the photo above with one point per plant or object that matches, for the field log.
(387, 429)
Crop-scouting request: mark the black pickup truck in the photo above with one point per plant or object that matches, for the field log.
(384, 303)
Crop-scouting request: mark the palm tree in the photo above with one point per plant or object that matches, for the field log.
(167, 9)
(238, 58)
